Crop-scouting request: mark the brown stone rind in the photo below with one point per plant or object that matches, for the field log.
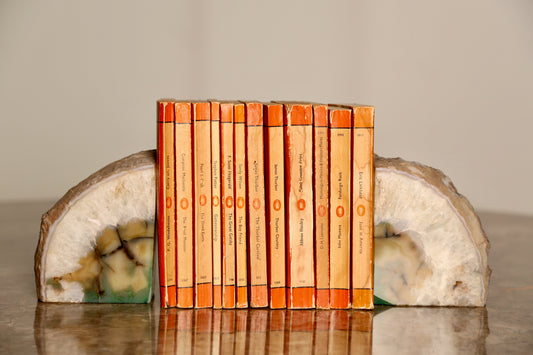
(444, 185)
(135, 161)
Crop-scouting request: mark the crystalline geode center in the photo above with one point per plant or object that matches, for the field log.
(119, 268)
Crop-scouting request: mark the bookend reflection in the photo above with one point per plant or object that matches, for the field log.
(87, 329)
(91, 328)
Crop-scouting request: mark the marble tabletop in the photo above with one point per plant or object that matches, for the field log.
(27, 326)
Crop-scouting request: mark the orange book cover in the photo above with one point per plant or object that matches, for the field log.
(363, 207)
(227, 336)
(300, 331)
(275, 197)
(166, 333)
(276, 331)
(298, 122)
(340, 212)
(215, 204)
(166, 198)
(203, 331)
(361, 332)
(321, 204)
(241, 331)
(256, 230)
(228, 205)
(202, 206)
(184, 205)
(339, 332)
(184, 342)
(239, 168)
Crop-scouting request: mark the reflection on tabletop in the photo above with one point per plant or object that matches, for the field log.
(86, 329)
(93, 328)
(264, 331)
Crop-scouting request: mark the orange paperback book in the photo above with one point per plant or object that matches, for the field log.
(363, 206)
(215, 204)
(227, 202)
(166, 204)
(255, 165)
(202, 202)
(239, 151)
(298, 122)
(275, 197)
(340, 183)
(184, 205)
(321, 205)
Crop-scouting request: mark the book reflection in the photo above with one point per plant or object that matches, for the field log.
(139, 329)
(263, 331)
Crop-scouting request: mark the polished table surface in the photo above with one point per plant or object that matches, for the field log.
(27, 326)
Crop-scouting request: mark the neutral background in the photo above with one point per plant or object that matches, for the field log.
(452, 81)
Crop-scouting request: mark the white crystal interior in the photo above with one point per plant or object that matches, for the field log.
(114, 201)
(413, 206)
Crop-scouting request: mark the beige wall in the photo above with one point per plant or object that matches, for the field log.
(452, 81)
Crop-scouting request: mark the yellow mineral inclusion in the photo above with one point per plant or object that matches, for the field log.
(120, 266)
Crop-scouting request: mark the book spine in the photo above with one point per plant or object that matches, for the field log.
(228, 208)
(166, 204)
(240, 206)
(255, 172)
(321, 203)
(215, 205)
(363, 206)
(298, 121)
(184, 205)
(340, 184)
(202, 201)
(275, 187)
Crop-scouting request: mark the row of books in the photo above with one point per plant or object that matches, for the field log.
(264, 331)
(265, 205)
